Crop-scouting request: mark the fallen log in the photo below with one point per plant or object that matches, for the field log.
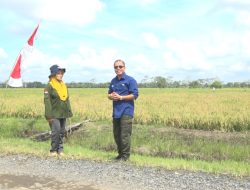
(68, 131)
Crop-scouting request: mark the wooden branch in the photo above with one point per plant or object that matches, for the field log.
(68, 131)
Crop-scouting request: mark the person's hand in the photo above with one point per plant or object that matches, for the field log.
(50, 120)
(115, 96)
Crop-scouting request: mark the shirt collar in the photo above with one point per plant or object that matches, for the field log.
(123, 76)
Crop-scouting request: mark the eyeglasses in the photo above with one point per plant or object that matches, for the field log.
(120, 66)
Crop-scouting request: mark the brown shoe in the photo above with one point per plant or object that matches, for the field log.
(61, 154)
(53, 154)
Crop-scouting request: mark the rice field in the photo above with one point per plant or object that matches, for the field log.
(203, 109)
(180, 124)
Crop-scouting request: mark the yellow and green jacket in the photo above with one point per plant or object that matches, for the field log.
(54, 106)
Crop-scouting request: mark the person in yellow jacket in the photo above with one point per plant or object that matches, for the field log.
(57, 108)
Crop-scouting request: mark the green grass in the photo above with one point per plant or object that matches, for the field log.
(152, 145)
(40, 149)
(170, 142)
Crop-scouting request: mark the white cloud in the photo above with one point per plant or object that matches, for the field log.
(90, 58)
(184, 54)
(88, 63)
(170, 60)
(35, 65)
(141, 62)
(238, 67)
(245, 45)
(140, 65)
(238, 8)
(151, 40)
(74, 12)
(243, 17)
(3, 53)
(86, 52)
(114, 33)
(38, 59)
(219, 54)
(81, 65)
(221, 44)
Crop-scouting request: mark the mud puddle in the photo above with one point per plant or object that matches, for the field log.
(24, 182)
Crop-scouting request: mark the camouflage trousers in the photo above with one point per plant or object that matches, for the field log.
(122, 130)
(57, 134)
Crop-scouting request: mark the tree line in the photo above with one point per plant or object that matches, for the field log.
(153, 82)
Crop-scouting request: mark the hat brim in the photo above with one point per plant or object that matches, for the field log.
(62, 69)
(59, 69)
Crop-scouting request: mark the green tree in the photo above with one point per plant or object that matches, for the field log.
(216, 84)
(195, 84)
(160, 82)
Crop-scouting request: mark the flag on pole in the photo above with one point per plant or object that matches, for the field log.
(31, 39)
(15, 78)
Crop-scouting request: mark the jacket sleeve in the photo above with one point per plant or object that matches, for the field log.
(47, 103)
(70, 114)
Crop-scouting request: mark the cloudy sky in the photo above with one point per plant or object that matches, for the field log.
(183, 39)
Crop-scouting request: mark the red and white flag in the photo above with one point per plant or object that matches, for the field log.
(15, 79)
(31, 39)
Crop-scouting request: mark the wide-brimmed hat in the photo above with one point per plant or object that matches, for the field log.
(54, 69)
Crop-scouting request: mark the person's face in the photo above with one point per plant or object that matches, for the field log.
(59, 75)
(119, 68)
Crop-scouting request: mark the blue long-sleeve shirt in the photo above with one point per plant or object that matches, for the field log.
(125, 86)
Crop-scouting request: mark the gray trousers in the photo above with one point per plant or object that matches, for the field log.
(57, 127)
(122, 130)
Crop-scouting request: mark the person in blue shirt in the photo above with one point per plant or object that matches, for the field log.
(122, 91)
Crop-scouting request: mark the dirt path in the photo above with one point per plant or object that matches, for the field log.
(23, 172)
